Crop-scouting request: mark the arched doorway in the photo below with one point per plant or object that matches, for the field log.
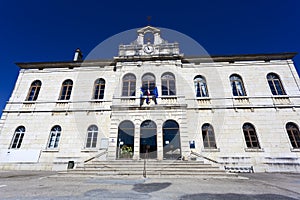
(125, 144)
(148, 144)
(171, 140)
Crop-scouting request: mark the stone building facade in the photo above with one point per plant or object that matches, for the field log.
(153, 102)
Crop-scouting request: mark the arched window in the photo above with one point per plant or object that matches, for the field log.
(34, 90)
(18, 138)
(125, 142)
(148, 141)
(168, 86)
(208, 136)
(250, 136)
(171, 140)
(200, 86)
(128, 88)
(66, 90)
(275, 84)
(99, 87)
(294, 134)
(54, 137)
(92, 134)
(237, 85)
(148, 83)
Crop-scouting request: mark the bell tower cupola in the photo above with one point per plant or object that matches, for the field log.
(149, 43)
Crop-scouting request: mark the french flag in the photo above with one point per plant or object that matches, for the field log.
(148, 96)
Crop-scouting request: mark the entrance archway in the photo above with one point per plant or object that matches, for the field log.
(148, 144)
(125, 144)
(171, 140)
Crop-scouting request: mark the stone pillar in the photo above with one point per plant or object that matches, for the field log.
(136, 153)
(159, 141)
(140, 39)
(157, 39)
(113, 139)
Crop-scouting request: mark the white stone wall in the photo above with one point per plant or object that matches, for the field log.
(224, 112)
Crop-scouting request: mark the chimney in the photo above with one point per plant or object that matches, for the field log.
(78, 55)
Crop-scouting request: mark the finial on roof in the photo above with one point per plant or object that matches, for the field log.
(78, 55)
(149, 19)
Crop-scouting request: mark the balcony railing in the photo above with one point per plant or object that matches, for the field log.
(148, 101)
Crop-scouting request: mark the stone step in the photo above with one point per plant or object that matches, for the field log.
(100, 167)
(207, 171)
(148, 162)
(148, 165)
(153, 168)
(151, 174)
(141, 172)
(129, 170)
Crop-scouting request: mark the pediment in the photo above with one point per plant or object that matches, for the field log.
(148, 29)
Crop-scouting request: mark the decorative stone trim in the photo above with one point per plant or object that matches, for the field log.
(254, 150)
(241, 100)
(168, 99)
(97, 102)
(129, 100)
(61, 104)
(50, 150)
(281, 100)
(28, 103)
(203, 101)
(89, 150)
(210, 149)
(295, 149)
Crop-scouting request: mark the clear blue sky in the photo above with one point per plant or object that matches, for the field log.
(34, 31)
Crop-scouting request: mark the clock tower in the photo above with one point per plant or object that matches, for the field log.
(144, 46)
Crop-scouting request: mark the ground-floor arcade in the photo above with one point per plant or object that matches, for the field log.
(148, 142)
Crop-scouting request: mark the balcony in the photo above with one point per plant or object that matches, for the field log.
(241, 101)
(281, 100)
(146, 102)
(168, 100)
(203, 101)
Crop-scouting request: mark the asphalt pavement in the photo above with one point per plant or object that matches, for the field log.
(41, 185)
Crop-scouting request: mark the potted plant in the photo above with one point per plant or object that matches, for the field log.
(126, 152)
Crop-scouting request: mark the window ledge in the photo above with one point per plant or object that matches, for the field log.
(89, 150)
(29, 102)
(168, 96)
(96, 100)
(280, 96)
(12, 149)
(240, 97)
(50, 150)
(62, 101)
(203, 98)
(254, 150)
(127, 97)
(295, 149)
(210, 149)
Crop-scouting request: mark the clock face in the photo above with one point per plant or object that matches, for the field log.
(148, 49)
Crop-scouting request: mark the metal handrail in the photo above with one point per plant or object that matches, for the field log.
(96, 156)
(145, 163)
(199, 155)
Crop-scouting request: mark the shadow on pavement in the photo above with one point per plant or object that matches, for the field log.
(150, 187)
(207, 196)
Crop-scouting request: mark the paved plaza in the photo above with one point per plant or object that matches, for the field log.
(25, 185)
